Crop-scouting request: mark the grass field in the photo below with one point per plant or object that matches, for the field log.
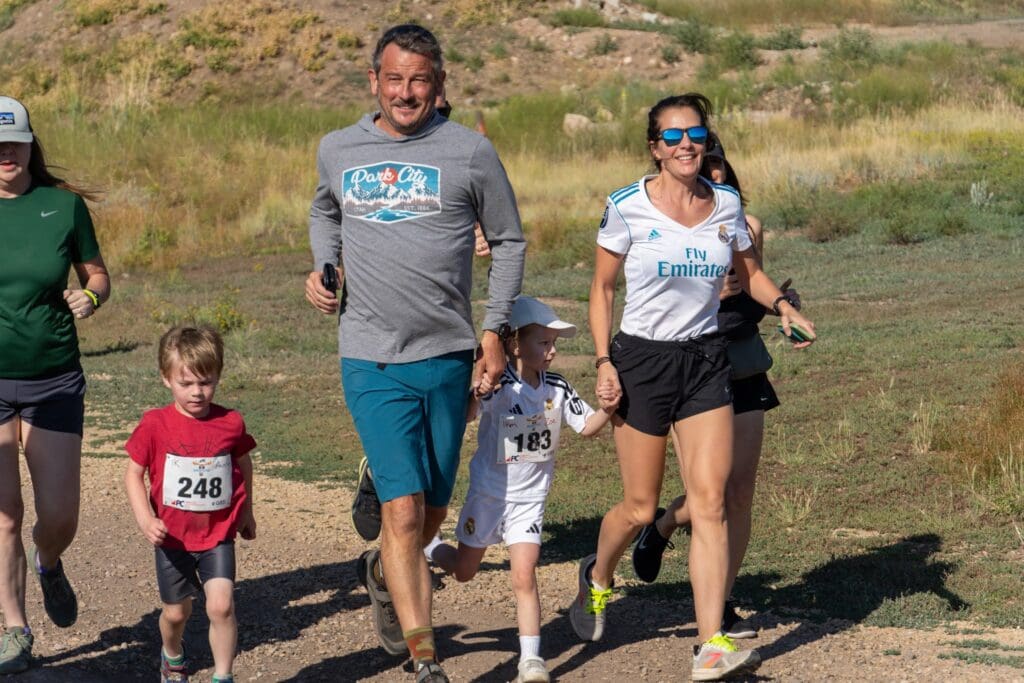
(892, 488)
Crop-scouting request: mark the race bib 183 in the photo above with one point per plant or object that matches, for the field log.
(529, 438)
(197, 484)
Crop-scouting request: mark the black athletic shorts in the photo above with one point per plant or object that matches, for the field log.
(664, 382)
(52, 402)
(181, 574)
(753, 393)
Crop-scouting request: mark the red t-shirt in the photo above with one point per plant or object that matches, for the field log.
(166, 436)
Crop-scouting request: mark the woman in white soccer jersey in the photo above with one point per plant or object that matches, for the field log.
(676, 236)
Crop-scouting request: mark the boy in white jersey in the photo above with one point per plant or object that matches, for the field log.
(510, 473)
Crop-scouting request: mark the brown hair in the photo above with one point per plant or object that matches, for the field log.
(198, 348)
(42, 177)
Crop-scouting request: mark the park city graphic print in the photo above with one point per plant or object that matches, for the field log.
(391, 191)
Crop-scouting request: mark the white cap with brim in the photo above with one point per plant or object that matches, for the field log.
(528, 311)
(14, 123)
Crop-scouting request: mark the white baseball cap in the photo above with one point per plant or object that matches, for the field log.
(528, 311)
(14, 123)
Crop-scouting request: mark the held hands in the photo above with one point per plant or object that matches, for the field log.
(609, 391)
(80, 303)
(247, 524)
(322, 299)
(490, 364)
(154, 530)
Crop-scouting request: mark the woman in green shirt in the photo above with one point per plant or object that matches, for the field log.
(45, 230)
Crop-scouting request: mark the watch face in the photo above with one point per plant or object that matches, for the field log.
(505, 331)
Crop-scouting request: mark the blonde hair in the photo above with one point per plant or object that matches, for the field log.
(198, 348)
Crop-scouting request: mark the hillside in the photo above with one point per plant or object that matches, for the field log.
(123, 53)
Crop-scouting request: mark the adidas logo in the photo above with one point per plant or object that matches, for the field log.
(653, 235)
(534, 528)
(516, 410)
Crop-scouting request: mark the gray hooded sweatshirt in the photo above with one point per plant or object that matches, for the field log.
(401, 213)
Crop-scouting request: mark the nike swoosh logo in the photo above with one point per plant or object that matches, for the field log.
(46, 214)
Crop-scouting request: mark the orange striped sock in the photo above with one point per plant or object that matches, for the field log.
(421, 644)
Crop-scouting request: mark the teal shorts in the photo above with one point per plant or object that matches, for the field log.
(411, 418)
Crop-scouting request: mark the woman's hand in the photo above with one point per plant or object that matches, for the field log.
(789, 316)
(609, 391)
(79, 302)
(731, 286)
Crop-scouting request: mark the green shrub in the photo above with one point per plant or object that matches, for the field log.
(669, 54)
(784, 38)
(604, 45)
(583, 18)
(737, 51)
(694, 36)
(850, 49)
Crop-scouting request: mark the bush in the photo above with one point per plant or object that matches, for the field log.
(582, 18)
(692, 35)
(784, 38)
(850, 49)
(604, 45)
(737, 51)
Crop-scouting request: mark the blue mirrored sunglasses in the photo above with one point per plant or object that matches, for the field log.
(673, 136)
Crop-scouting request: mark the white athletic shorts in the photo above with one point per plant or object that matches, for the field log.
(486, 521)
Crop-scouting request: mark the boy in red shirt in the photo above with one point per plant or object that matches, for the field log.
(196, 454)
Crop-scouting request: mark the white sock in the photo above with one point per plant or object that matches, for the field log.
(429, 549)
(529, 646)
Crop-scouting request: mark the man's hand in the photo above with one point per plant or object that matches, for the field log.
(323, 300)
(487, 375)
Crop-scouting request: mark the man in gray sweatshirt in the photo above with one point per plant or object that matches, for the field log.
(398, 197)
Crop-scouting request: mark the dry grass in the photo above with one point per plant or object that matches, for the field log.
(990, 445)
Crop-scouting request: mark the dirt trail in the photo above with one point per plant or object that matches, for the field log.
(304, 617)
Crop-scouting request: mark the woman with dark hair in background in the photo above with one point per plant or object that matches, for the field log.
(676, 236)
(46, 230)
(752, 396)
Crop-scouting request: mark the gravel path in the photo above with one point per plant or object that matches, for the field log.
(304, 617)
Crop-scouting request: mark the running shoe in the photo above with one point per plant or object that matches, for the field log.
(735, 626)
(430, 672)
(650, 546)
(718, 659)
(366, 504)
(58, 597)
(15, 650)
(587, 611)
(389, 631)
(533, 670)
(173, 673)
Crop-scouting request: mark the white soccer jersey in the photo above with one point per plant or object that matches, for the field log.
(673, 273)
(519, 430)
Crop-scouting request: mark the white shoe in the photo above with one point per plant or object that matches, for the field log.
(718, 659)
(533, 670)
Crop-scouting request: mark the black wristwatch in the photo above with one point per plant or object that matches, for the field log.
(504, 331)
(780, 299)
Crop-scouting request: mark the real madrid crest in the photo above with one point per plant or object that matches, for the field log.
(723, 233)
(470, 526)
(549, 404)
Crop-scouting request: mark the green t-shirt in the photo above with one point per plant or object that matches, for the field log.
(42, 233)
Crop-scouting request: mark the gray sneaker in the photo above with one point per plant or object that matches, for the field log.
(15, 650)
(389, 630)
(431, 672)
(587, 611)
(58, 596)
